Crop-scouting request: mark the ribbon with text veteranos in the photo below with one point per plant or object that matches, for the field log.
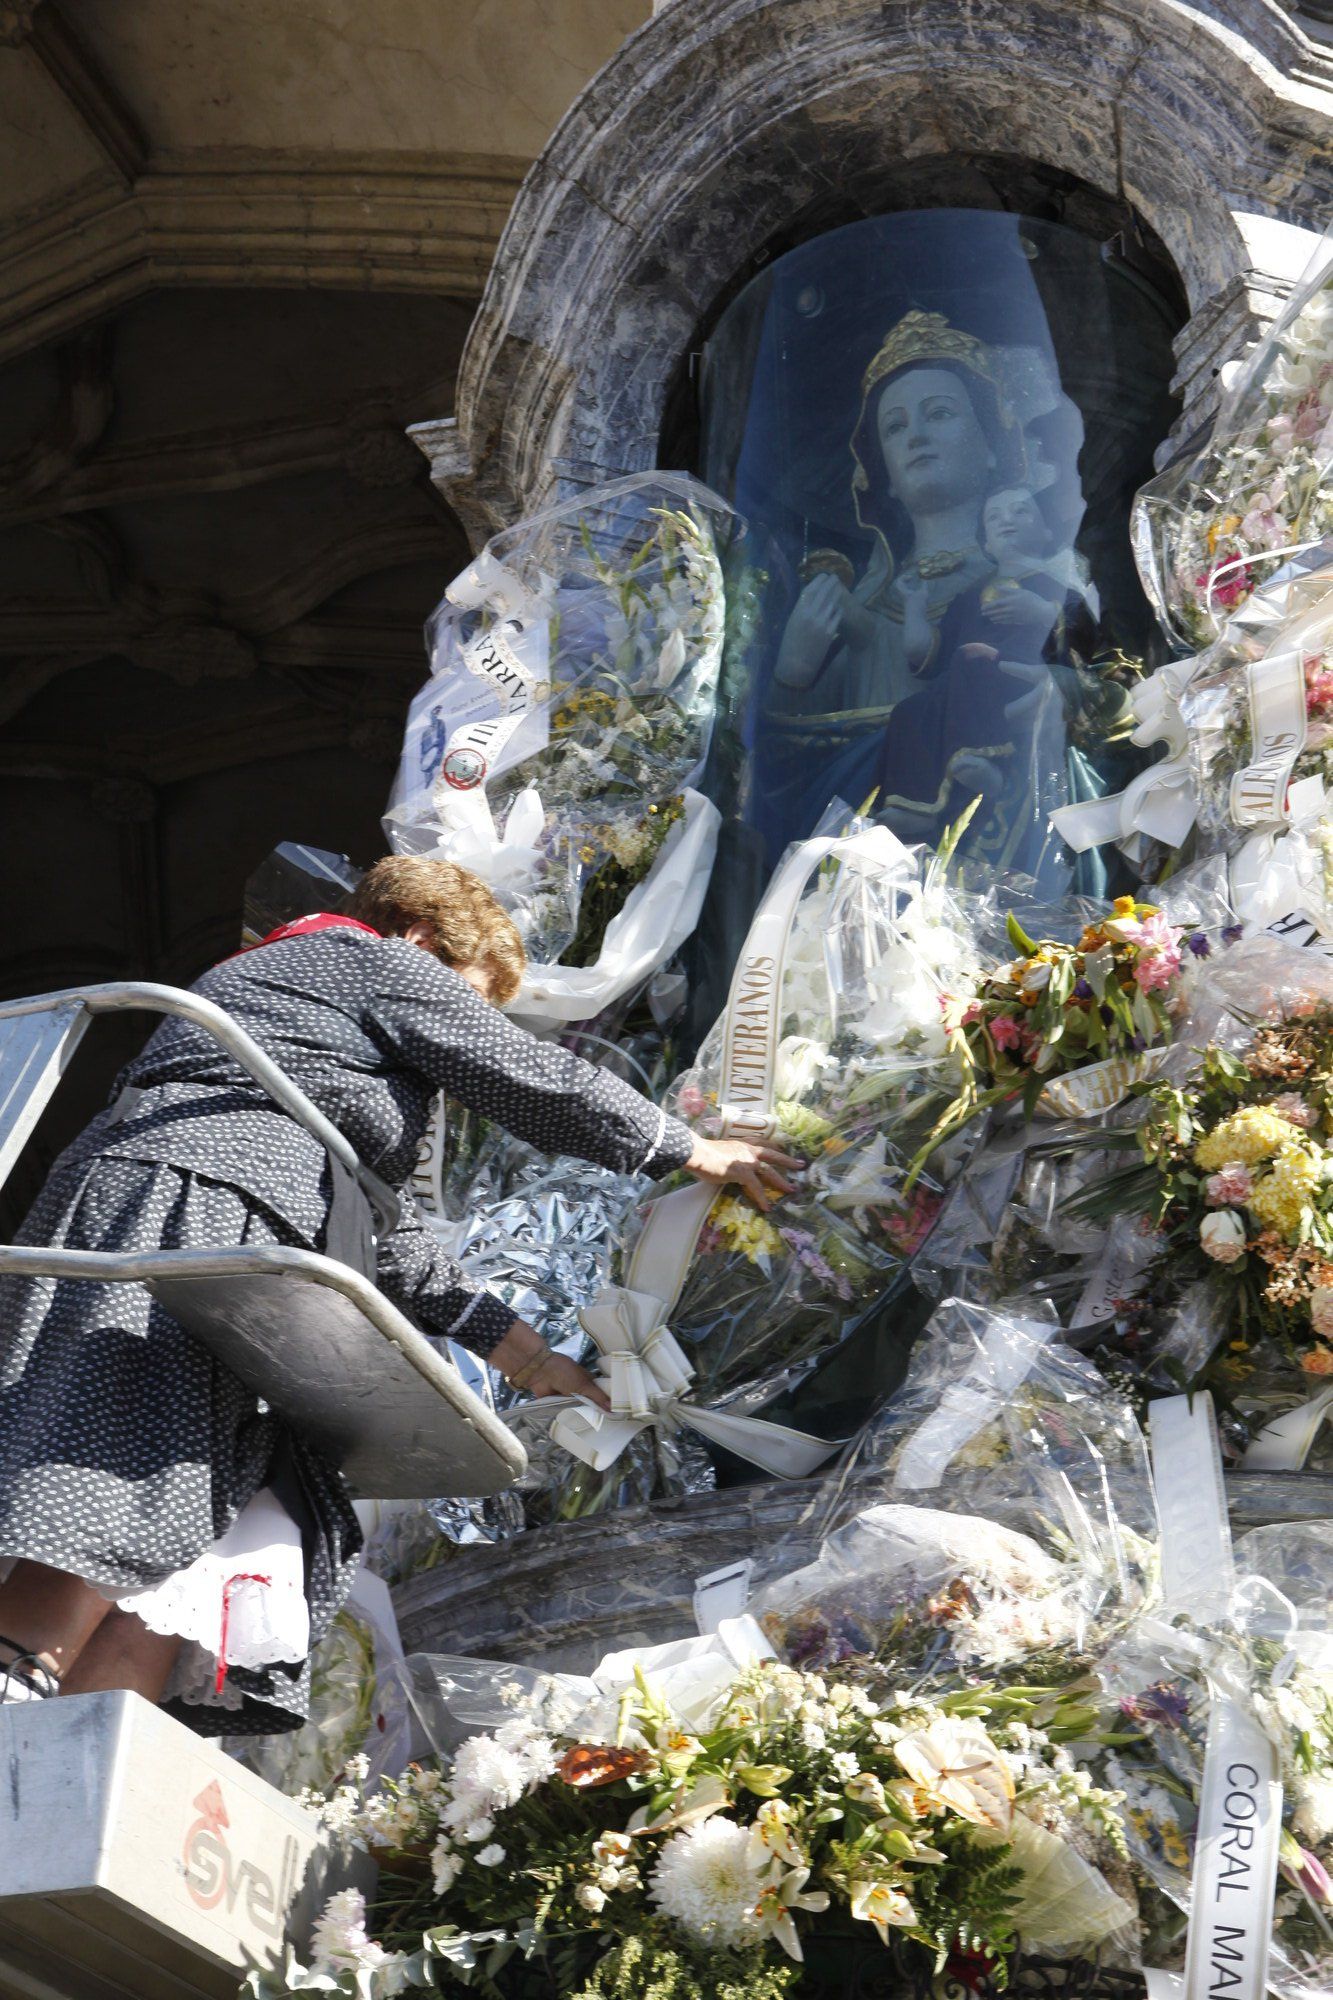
(645, 1367)
(1240, 1811)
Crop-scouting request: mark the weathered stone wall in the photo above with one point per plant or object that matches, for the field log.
(725, 128)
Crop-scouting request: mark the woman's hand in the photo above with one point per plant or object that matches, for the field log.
(760, 1170)
(527, 1363)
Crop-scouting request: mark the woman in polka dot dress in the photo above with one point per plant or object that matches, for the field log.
(132, 1464)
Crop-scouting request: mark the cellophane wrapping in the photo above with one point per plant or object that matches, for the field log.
(569, 709)
(862, 1069)
(1213, 526)
(1259, 710)
(996, 1516)
(861, 1073)
(1274, 1651)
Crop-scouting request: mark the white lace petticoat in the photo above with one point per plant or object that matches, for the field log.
(241, 1603)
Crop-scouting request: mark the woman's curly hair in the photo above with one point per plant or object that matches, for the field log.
(467, 925)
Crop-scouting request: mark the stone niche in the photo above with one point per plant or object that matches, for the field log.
(726, 131)
(1190, 137)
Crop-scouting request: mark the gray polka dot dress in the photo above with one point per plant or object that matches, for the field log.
(125, 1449)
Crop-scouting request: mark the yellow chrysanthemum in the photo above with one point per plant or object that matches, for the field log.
(1252, 1134)
(743, 1228)
(1281, 1194)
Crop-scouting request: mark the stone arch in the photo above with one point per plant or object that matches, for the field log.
(722, 122)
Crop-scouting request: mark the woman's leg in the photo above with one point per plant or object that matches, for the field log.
(49, 1613)
(123, 1653)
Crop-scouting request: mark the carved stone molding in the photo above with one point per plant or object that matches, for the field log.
(391, 222)
(726, 127)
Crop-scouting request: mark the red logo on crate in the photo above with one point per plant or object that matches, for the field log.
(215, 1878)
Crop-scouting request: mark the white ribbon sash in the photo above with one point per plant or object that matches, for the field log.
(1276, 692)
(1161, 802)
(646, 1368)
(1240, 1810)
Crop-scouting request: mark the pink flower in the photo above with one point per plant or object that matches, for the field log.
(1318, 684)
(1222, 1236)
(1229, 1188)
(1006, 1033)
(1159, 949)
(1293, 1107)
(692, 1101)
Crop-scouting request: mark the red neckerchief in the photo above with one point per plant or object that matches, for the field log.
(320, 920)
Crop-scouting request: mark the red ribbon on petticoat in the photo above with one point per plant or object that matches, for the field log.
(227, 1590)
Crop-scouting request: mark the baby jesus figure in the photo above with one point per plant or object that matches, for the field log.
(1035, 588)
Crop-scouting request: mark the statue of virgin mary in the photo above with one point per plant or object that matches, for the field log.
(933, 680)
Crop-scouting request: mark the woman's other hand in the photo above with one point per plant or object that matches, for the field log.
(761, 1171)
(527, 1363)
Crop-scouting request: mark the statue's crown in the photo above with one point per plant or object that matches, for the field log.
(923, 336)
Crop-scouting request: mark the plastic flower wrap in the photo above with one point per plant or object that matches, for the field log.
(995, 1519)
(1276, 1650)
(1261, 726)
(705, 1861)
(833, 1041)
(554, 748)
(875, 948)
(1212, 527)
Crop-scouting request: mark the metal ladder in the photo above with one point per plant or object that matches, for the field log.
(311, 1335)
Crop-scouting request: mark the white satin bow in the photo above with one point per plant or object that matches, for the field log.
(490, 582)
(645, 1371)
(1161, 804)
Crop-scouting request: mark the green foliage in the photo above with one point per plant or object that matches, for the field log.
(656, 1965)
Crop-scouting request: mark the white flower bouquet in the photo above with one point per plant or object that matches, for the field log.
(859, 1069)
(702, 1862)
(1210, 529)
(568, 714)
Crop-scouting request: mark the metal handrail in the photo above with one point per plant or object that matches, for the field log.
(124, 996)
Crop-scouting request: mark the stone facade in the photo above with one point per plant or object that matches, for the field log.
(726, 130)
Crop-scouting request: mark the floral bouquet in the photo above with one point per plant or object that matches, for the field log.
(1069, 1026)
(995, 1517)
(702, 1863)
(568, 714)
(835, 1021)
(1213, 527)
(1236, 1170)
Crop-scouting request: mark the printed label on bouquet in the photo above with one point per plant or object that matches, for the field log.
(1198, 1574)
(490, 656)
(1298, 929)
(1277, 733)
(1235, 1859)
(1114, 1279)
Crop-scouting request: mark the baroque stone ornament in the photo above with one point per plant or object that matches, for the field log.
(725, 128)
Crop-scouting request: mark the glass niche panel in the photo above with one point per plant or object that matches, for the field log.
(934, 424)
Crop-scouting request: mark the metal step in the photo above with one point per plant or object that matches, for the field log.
(139, 1862)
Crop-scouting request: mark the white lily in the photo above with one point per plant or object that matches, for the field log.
(771, 1836)
(880, 1904)
(777, 1902)
(957, 1765)
(686, 1809)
